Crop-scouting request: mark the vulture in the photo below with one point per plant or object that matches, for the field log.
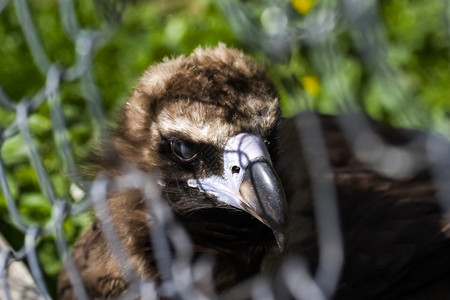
(253, 189)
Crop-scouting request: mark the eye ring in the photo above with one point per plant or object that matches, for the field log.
(184, 151)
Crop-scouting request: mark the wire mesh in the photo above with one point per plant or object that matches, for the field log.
(276, 30)
(14, 285)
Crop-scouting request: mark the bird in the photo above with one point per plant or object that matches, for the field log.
(237, 176)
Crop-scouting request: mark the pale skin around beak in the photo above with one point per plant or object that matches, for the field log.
(249, 183)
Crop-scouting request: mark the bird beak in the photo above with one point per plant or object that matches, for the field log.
(249, 183)
(263, 196)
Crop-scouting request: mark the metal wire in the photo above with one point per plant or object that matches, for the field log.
(179, 277)
(87, 42)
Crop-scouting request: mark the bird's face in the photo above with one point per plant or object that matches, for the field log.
(206, 124)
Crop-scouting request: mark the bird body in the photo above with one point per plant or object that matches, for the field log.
(237, 177)
(395, 231)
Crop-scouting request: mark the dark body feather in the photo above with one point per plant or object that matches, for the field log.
(395, 234)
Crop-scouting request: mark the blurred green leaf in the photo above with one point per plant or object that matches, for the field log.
(14, 150)
(34, 209)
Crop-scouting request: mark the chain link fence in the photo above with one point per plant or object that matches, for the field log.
(282, 32)
(14, 284)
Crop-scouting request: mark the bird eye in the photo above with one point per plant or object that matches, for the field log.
(183, 150)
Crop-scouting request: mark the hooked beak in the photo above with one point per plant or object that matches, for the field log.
(249, 183)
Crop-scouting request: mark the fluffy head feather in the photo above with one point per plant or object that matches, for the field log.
(205, 98)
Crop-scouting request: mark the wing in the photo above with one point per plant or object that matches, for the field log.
(396, 237)
(100, 275)
(98, 263)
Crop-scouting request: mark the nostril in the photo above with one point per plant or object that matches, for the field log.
(235, 170)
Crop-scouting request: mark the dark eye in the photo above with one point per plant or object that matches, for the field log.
(183, 150)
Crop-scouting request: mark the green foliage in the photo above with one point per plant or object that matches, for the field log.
(417, 50)
(151, 31)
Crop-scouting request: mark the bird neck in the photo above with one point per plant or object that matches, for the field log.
(233, 238)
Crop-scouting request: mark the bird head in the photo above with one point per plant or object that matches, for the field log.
(206, 124)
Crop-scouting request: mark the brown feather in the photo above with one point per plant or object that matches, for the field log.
(396, 237)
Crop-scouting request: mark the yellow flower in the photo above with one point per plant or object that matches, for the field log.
(311, 84)
(303, 6)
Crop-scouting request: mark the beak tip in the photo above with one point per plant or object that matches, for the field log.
(280, 238)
